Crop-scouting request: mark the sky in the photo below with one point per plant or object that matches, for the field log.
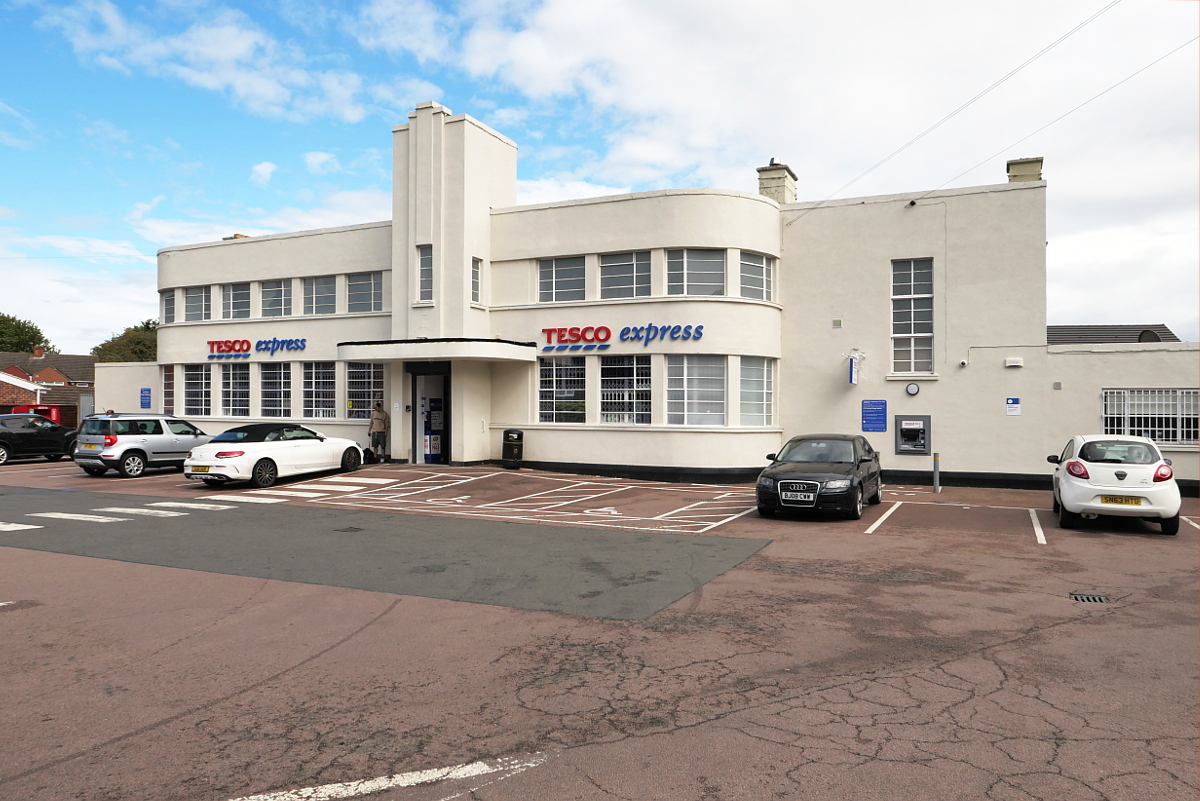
(130, 127)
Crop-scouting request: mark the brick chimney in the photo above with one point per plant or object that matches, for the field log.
(778, 182)
(39, 352)
(1025, 170)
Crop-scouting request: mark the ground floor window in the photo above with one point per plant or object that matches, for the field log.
(235, 390)
(197, 389)
(275, 389)
(758, 390)
(168, 392)
(364, 386)
(1162, 415)
(320, 390)
(696, 390)
(625, 389)
(562, 389)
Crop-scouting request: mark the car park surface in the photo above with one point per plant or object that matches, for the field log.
(946, 654)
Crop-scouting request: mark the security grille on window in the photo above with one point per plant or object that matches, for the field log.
(235, 301)
(277, 298)
(560, 279)
(197, 303)
(168, 306)
(562, 390)
(758, 390)
(320, 295)
(425, 272)
(235, 390)
(476, 270)
(320, 390)
(168, 391)
(364, 292)
(695, 272)
(625, 275)
(275, 388)
(364, 386)
(197, 389)
(625, 389)
(696, 390)
(1163, 415)
(757, 275)
(912, 316)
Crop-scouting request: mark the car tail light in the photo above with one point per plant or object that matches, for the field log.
(1077, 469)
(1163, 473)
(230, 454)
(109, 440)
(189, 455)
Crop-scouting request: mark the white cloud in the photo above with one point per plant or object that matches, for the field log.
(395, 26)
(6, 213)
(105, 130)
(9, 139)
(549, 190)
(403, 94)
(321, 163)
(261, 173)
(337, 208)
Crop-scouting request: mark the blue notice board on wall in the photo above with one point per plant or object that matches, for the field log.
(874, 415)
(145, 398)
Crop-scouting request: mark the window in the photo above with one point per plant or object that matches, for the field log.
(275, 388)
(425, 272)
(277, 298)
(320, 295)
(168, 384)
(758, 390)
(235, 301)
(476, 269)
(696, 390)
(197, 389)
(235, 390)
(625, 275)
(364, 292)
(197, 303)
(912, 316)
(1162, 415)
(364, 386)
(561, 390)
(625, 389)
(320, 389)
(168, 314)
(757, 274)
(695, 272)
(560, 279)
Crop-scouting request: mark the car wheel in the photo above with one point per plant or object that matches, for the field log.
(350, 460)
(1054, 505)
(1170, 525)
(264, 473)
(4, 454)
(54, 457)
(1066, 519)
(765, 512)
(95, 471)
(132, 465)
(855, 512)
(877, 496)
(213, 482)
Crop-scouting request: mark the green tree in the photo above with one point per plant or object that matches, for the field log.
(19, 336)
(138, 343)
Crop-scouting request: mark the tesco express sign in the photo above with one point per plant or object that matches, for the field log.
(240, 348)
(597, 337)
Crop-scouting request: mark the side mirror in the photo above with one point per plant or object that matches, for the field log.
(1052, 459)
(1167, 462)
(770, 457)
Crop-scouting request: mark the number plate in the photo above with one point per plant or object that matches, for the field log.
(90, 447)
(199, 469)
(1121, 500)
(797, 496)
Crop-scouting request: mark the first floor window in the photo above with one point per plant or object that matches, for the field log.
(197, 389)
(197, 303)
(364, 386)
(1162, 415)
(364, 292)
(912, 316)
(168, 315)
(695, 272)
(320, 295)
(696, 390)
(476, 269)
(758, 390)
(560, 279)
(277, 298)
(425, 272)
(168, 394)
(625, 389)
(757, 275)
(235, 390)
(320, 389)
(235, 301)
(625, 275)
(562, 390)
(275, 386)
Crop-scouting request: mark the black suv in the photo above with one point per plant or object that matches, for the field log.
(23, 435)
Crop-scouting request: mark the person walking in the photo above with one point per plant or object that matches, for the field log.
(380, 427)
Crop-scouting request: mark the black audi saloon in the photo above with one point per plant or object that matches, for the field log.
(825, 472)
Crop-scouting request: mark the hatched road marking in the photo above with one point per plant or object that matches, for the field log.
(17, 527)
(289, 493)
(249, 499)
(208, 507)
(81, 518)
(130, 510)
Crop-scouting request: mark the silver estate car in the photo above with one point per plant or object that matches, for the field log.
(130, 443)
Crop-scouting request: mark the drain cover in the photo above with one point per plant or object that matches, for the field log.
(1089, 598)
(348, 529)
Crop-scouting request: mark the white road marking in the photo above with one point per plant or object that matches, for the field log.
(131, 510)
(81, 518)
(8, 603)
(883, 517)
(1193, 522)
(17, 526)
(607, 510)
(248, 499)
(1037, 527)
(289, 493)
(330, 792)
(330, 487)
(361, 480)
(207, 507)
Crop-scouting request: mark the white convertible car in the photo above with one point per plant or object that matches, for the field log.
(263, 452)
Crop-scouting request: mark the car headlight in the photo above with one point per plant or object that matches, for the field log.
(766, 482)
(837, 483)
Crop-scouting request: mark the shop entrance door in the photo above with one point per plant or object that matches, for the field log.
(431, 411)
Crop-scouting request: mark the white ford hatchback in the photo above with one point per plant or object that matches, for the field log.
(1106, 474)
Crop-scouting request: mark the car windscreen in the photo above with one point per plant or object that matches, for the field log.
(1118, 452)
(94, 427)
(818, 450)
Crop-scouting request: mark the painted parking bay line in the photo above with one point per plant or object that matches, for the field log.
(206, 507)
(360, 480)
(883, 517)
(134, 510)
(17, 527)
(1037, 527)
(249, 499)
(80, 518)
(289, 493)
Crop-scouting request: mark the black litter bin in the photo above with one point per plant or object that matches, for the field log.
(514, 447)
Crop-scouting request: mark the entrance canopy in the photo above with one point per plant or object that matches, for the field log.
(449, 349)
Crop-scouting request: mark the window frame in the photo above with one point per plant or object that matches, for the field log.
(311, 306)
(425, 273)
(685, 406)
(1125, 415)
(752, 397)
(684, 279)
(271, 306)
(318, 390)
(625, 397)
(361, 399)
(612, 283)
(476, 279)
(202, 308)
(275, 389)
(197, 390)
(553, 275)
(912, 342)
(168, 313)
(235, 389)
(235, 301)
(562, 380)
(374, 292)
(757, 280)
